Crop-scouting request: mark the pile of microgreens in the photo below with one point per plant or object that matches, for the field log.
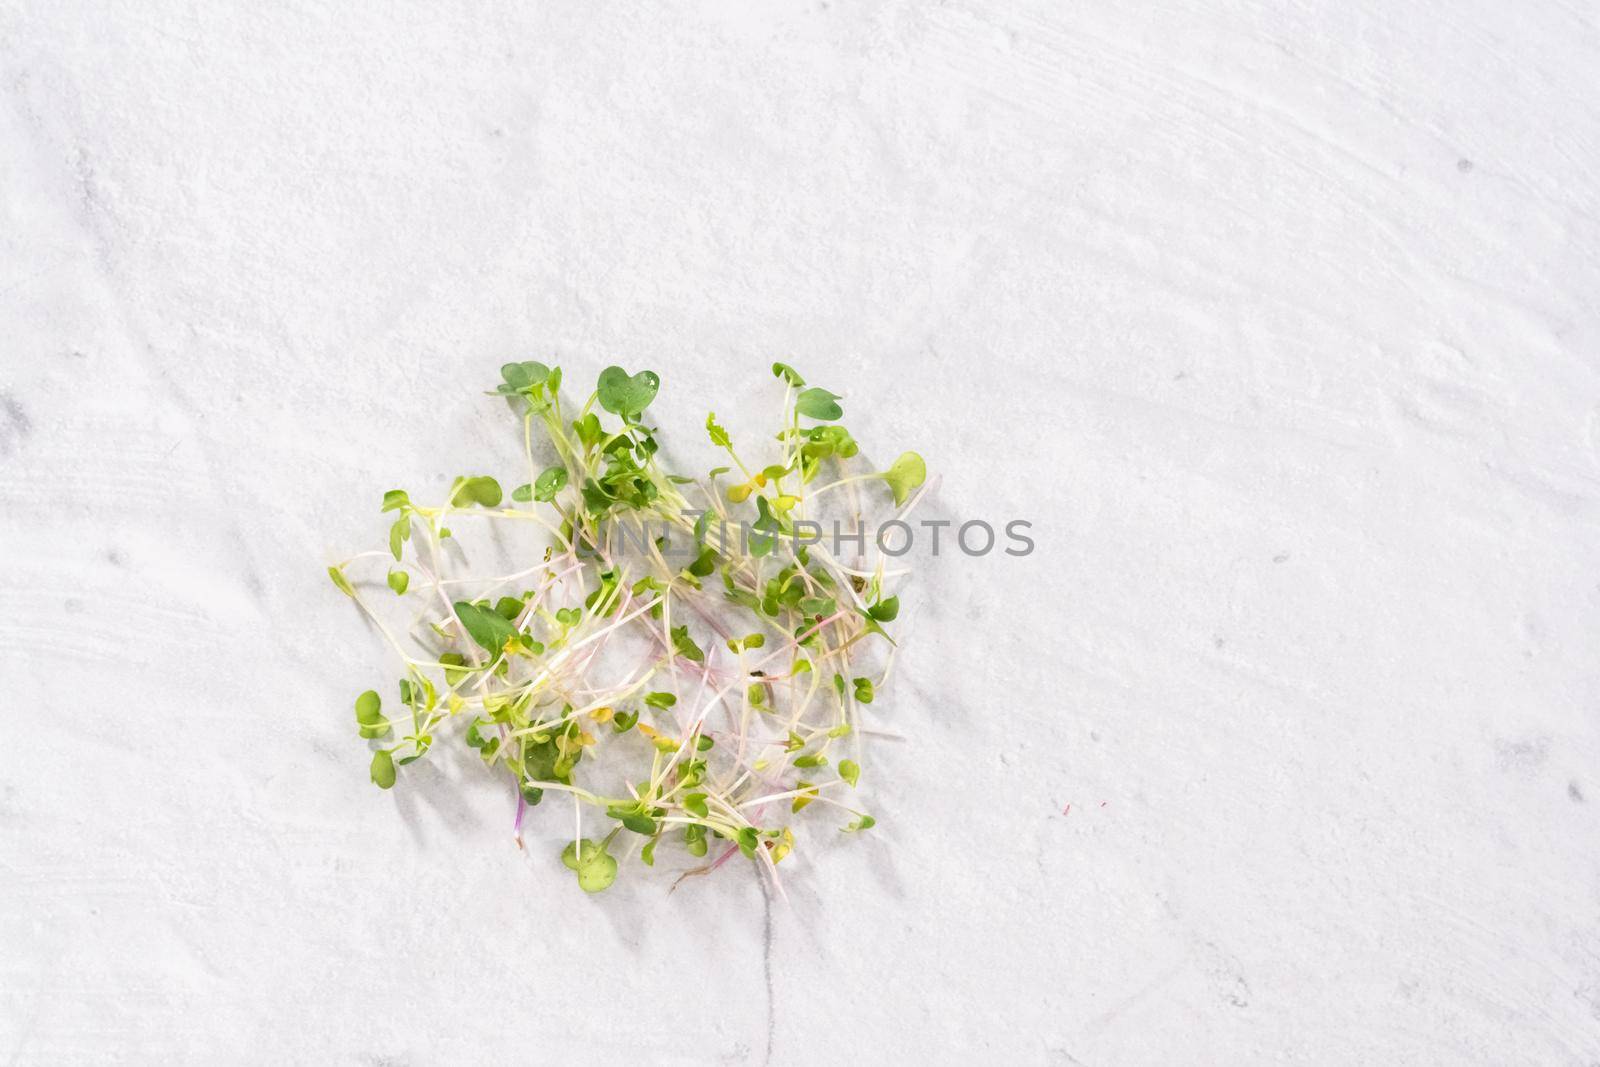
(720, 663)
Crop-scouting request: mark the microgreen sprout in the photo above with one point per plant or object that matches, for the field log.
(674, 684)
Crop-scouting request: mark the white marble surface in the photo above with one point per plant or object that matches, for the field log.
(1281, 325)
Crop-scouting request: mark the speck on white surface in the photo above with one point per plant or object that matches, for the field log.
(1279, 322)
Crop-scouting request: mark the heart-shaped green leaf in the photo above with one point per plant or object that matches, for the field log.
(382, 769)
(819, 404)
(705, 562)
(588, 430)
(550, 482)
(818, 605)
(625, 395)
(399, 533)
(523, 377)
(788, 374)
(488, 629)
(484, 491)
(369, 707)
(595, 868)
(685, 645)
(885, 610)
(341, 582)
(640, 824)
(906, 474)
(850, 771)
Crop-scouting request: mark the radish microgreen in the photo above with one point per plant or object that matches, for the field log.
(682, 660)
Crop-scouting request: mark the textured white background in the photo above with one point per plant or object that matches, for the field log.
(1280, 322)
